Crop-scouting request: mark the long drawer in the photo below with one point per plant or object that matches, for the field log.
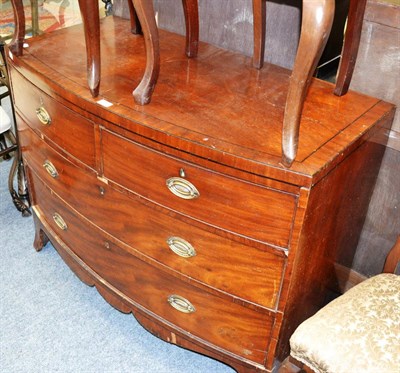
(241, 330)
(70, 131)
(249, 273)
(247, 209)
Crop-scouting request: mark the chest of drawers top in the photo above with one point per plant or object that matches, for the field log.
(224, 111)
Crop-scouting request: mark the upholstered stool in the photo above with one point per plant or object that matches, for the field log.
(357, 332)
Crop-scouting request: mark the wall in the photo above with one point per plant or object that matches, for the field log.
(229, 24)
(377, 73)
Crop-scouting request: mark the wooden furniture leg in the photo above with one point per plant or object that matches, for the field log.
(91, 23)
(350, 46)
(41, 238)
(145, 11)
(17, 42)
(191, 10)
(259, 23)
(316, 25)
(136, 27)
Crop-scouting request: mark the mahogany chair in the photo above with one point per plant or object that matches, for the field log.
(316, 25)
(357, 332)
(349, 49)
(310, 45)
(142, 20)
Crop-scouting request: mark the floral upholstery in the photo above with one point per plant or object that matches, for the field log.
(357, 332)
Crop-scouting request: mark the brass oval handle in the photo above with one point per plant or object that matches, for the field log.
(43, 116)
(182, 188)
(181, 247)
(50, 168)
(181, 304)
(60, 221)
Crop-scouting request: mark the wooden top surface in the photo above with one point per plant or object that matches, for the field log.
(216, 106)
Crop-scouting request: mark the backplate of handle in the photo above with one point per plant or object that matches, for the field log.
(50, 168)
(182, 188)
(43, 116)
(181, 304)
(60, 221)
(181, 247)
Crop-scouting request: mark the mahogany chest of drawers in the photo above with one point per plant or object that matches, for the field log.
(180, 211)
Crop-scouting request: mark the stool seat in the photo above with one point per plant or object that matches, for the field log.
(5, 121)
(357, 332)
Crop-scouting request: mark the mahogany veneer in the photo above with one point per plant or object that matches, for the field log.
(180, 211)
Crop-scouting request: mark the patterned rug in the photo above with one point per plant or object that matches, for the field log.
(52, 14)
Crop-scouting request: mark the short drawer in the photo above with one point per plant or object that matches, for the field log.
(70, 131)
(241, 270)
(232, 204)
(240, 330)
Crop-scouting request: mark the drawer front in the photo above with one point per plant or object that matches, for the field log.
(232, 204)
(238, 329)
(70, 131)
(241, 270)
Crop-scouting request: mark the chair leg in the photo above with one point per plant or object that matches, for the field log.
(91, 24)
(315, 29)
(136, 27)
(145, 11)
(350, 46)
(259, 23)
(17, 42)
(191, 11)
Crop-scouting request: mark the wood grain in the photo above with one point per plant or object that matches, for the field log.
(149, 228)
(225, 202)
(71, 132)
(149, 288)
(237, 98)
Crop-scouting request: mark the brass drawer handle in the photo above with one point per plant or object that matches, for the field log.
(43, 116)
(181, 304)
(60, 222)
(181, 247)
(50, 168)
(182, 188)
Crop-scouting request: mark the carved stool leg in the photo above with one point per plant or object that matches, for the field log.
(91, 23)
(17, 42)
(136, 27)
(259, 22)
(350, 46)
(145, 11)
(315, 29)
(191, 10)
